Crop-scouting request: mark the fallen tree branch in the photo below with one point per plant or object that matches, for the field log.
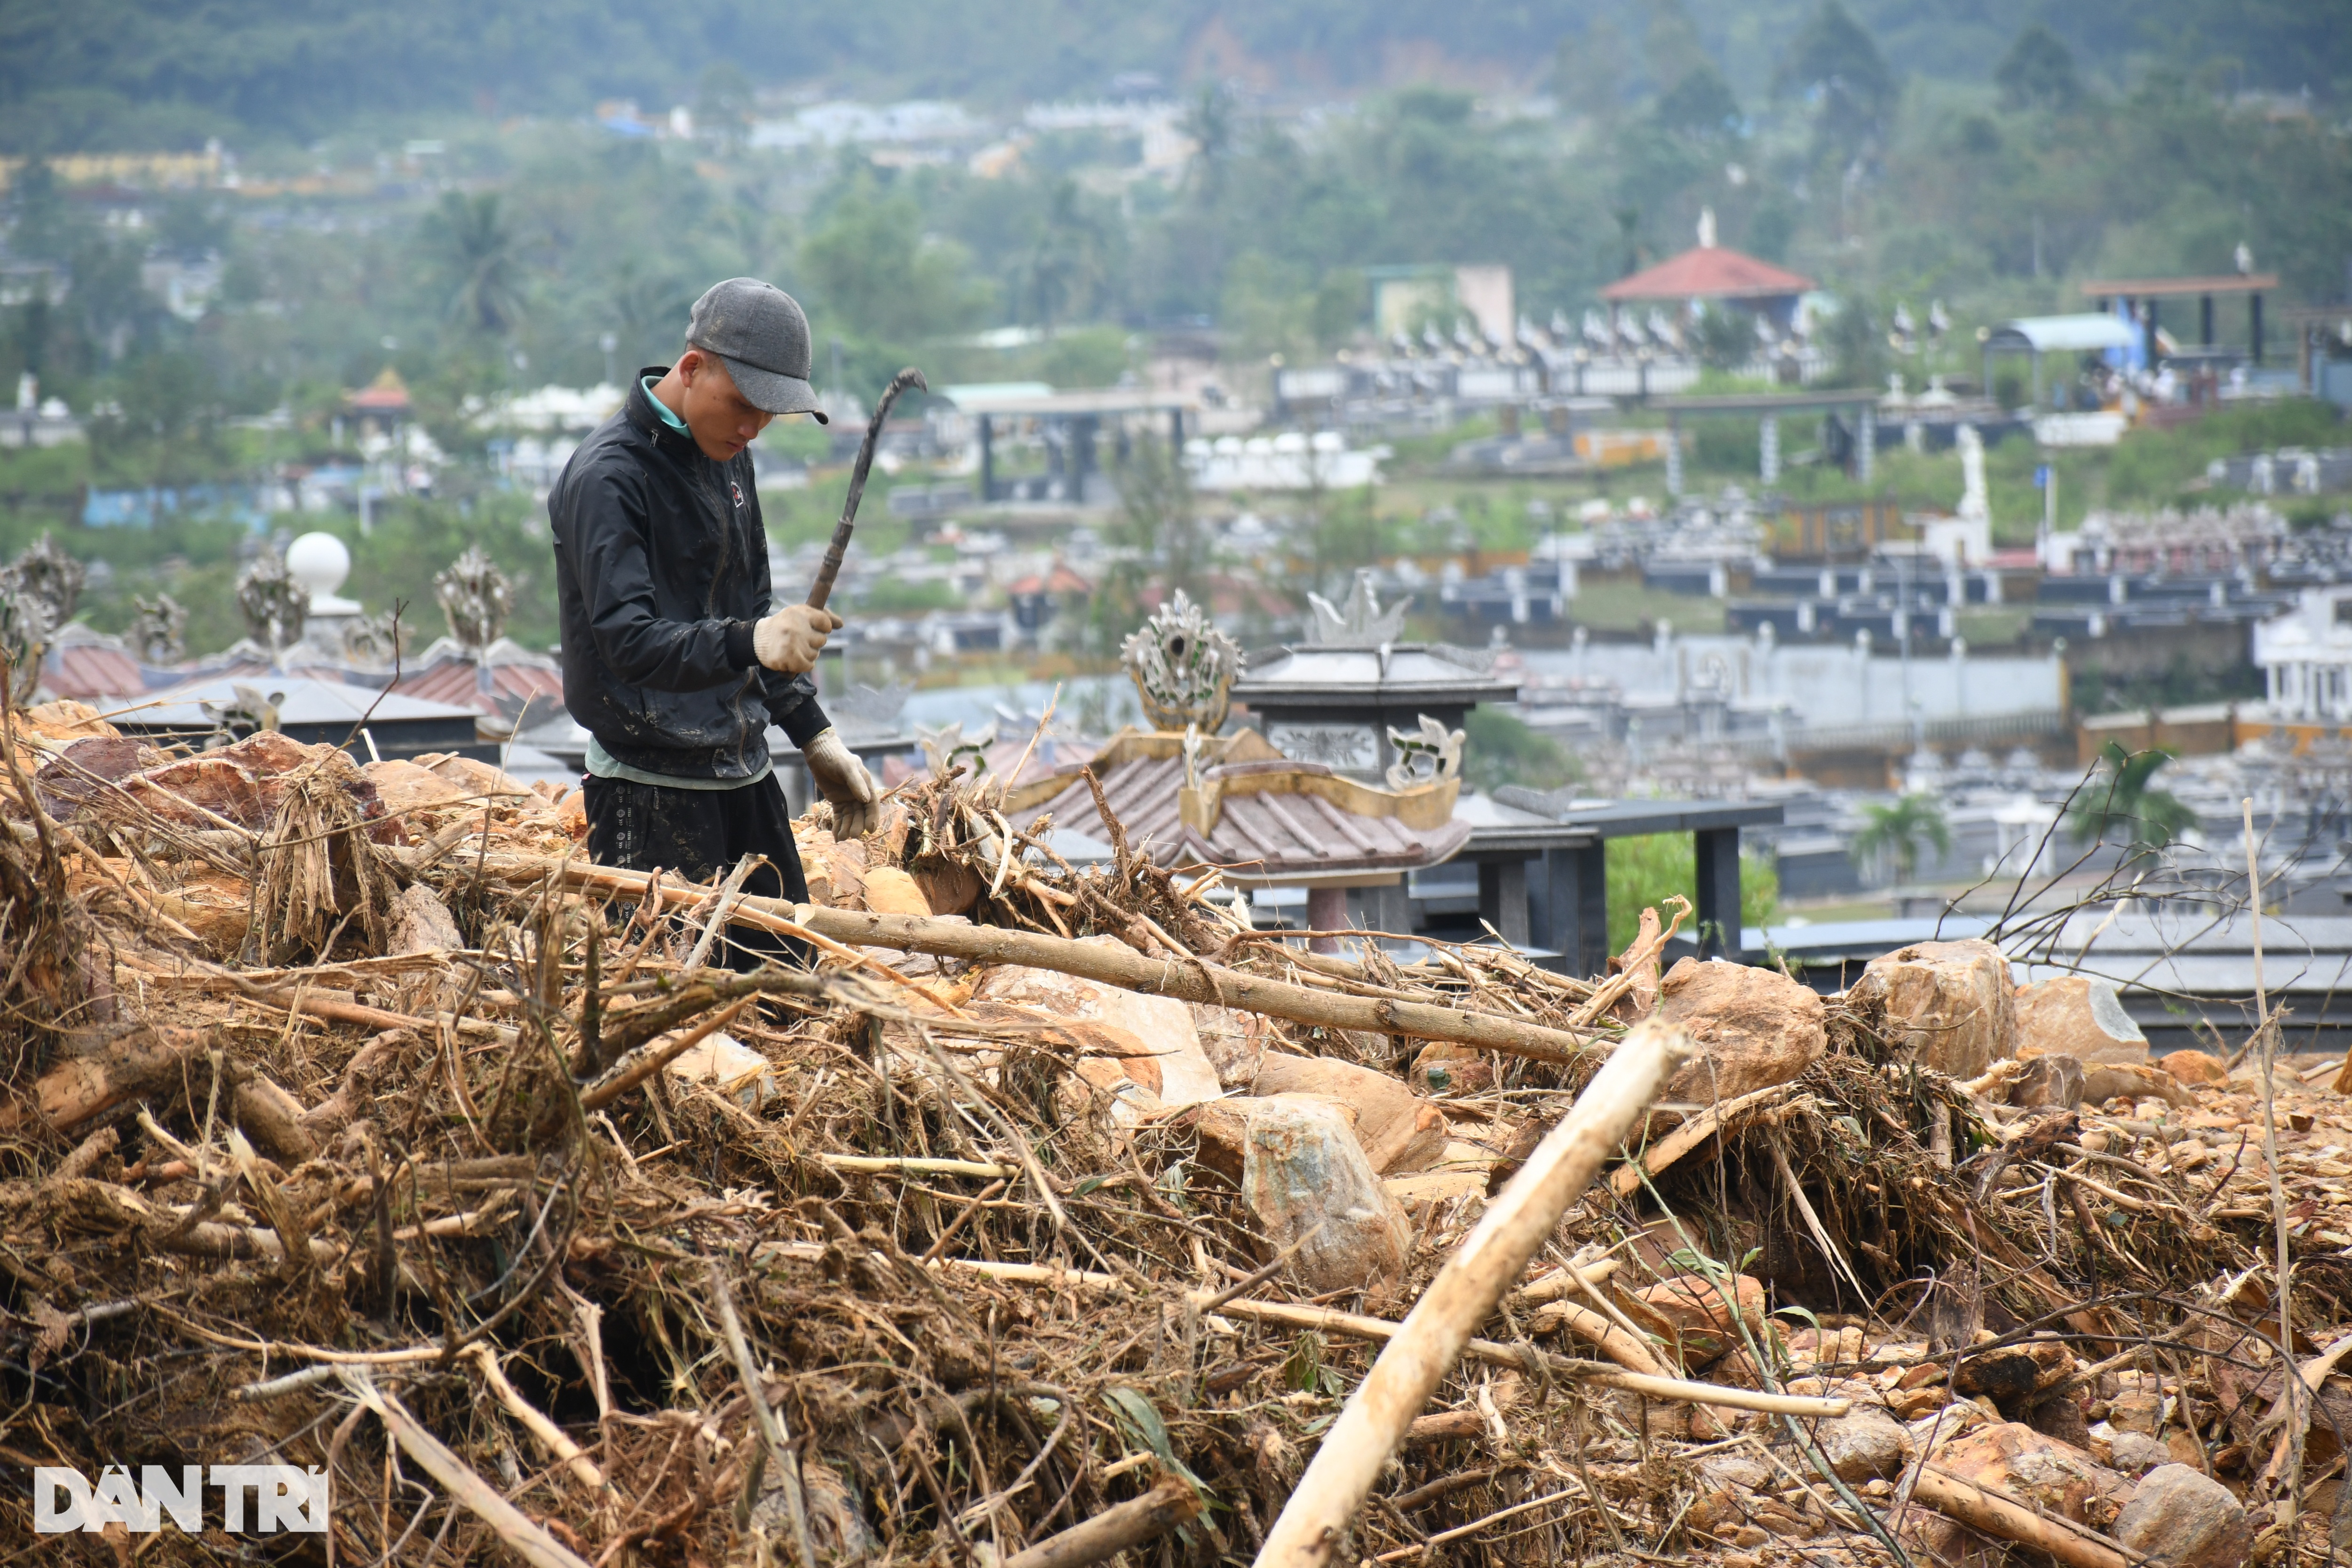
(1198, 981)
(524, 1535)
(1132, 1524)
(1436, 1333)
(1997, 1514)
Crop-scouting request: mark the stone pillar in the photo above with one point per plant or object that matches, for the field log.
(1571, 919)
(1503, 899)
(1768, 449)
(1327, 910)
(987, 459)
(1716, 851)
(1673, 455)
(1865, 446)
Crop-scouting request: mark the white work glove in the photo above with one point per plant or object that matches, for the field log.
(790, 639)
(842, 780)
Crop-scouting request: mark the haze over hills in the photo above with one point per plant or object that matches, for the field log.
(132, 73)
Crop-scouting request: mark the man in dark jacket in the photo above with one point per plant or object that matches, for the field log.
(675, 658)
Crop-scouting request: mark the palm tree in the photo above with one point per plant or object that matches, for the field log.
(2121, 803)
(477, 256)
(1897, 828)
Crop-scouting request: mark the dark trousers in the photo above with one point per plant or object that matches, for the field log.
(700, 834)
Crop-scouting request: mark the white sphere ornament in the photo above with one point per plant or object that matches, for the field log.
(320, 562)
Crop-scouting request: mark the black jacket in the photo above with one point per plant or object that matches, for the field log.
(661, 569)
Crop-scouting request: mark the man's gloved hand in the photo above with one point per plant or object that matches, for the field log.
(842, 779)
(790, 639)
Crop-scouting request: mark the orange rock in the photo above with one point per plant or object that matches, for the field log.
(2040, 1471)
(1400, 1131)
(1693, 1309)
(1949, 1005)
(890, 891)
(1750, 1028)
(2195, 1066)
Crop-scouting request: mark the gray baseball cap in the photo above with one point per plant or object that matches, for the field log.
(761, 333)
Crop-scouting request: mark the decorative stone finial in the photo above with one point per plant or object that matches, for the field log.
(1359, 622)
(475, 598)
(158, 630)
(944, 747)
(52, 578)
(25, 640)
(274, 604)
(1182, 667)
(1430, 755)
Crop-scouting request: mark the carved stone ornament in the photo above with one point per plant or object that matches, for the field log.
(274, 604)
(946, 746)
(1430, 755)
(158, 630)
(25, 638)
(1183, 666)
(1359, 622)
(52, 578)
(249, 708)
(475, 598)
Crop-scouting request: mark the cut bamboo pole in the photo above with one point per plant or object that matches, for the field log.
(1193, 981)
(1465, 1290)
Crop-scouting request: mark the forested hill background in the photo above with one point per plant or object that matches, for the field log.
(98, 74)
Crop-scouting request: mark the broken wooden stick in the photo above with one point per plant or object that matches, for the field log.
(1465, 1290)
(1626, 1179)
(524, 1535)
(2007, 1518)
(1357, 1326)
(1114, 1529)
(1651, 1385)
(632, 1070)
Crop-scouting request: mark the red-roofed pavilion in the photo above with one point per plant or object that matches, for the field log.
(1711, 274)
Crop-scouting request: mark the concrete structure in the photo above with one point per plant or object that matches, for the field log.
(2041, 336)
(2143, 299)
(2305, 657)
(1071, 425)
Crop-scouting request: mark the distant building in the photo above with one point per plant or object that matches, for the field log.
(1709, 274)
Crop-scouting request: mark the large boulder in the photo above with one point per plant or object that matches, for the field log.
(1949, 1005)
(1750, 1028)
(2075, 1016)
(1307, 1182)
(1142, 1049)
(1235, 1042)
(1400, 1131)
(1689, 1312)
(2182, 1518)
(2008, 1456)
(1864, 1444)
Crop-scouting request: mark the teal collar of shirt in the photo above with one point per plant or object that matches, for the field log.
(664, 411)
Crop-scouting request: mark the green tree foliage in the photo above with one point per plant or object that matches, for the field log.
(2038, 72)
(1163, 543)
(1836, 68)
(871, 266)
(1896, 831)
(2122, 806)
(1499, 749)
(1700, 104)
(474, 246)
(1644, 872)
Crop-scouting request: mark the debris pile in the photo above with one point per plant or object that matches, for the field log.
(355, 1120)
